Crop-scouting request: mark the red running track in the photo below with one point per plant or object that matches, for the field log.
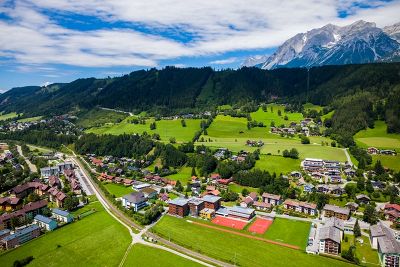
(228, 222)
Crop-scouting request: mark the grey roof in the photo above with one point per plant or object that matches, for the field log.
(331, 233)
(21, 232)
(61, 212)
(179, 201)
(386, 239)
(43, 219)
(5, 231)
(239, 209)
(337, 209)
(362, 196)
(210, 198)
(335, 222)
(135, 197)
(195, 201)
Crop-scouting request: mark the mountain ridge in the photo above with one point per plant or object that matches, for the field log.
(357, 43)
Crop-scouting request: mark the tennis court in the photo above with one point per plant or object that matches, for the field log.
(228, 222)
(260, 226)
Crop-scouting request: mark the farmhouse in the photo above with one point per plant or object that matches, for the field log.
(178, 207)
(373, 150)
(271, 199)
(336, 211)
(392, 212)
(20, 237)
(135, 200)
(45, 223)
(62, 216)
(298, 206)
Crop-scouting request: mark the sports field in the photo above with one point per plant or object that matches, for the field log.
(378, 137)
(228, 222)
(165, 128)
(117, 189)
(96, 240)
(142, 255)
(260, 226)
(289, 231)
(234, 248)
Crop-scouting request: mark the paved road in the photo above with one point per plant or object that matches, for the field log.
(31, 166)
(137, 238)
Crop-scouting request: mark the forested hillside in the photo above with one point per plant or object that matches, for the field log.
(359, 93)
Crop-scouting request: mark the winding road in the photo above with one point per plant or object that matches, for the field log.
(137, 237)
(31, 166)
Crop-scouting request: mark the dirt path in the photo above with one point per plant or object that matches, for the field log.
(248, 236)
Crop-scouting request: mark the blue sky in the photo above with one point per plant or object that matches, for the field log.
(61, 40)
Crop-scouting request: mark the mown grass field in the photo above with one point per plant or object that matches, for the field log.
(238, 188)
(184, 175)
(99, 117)
(7, 116)
(142, 255)
(31, 119)
(392, 162)
(117, 189)
(289, 231)
(165, 128)
(96, 240)
(364, 252)
(277, 164)
(236, 249)
(378, 137)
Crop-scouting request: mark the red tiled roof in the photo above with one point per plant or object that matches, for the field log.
(392, 206)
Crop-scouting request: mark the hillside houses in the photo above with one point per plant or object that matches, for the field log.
(384, 240)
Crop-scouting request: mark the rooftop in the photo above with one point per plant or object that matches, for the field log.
(135, 197)
(178, 201)
(61, 212)
(331, 233)
(43, 219)
(22, 232)
(211, 198)
(337, 209)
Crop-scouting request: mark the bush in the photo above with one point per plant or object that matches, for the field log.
(23, 262)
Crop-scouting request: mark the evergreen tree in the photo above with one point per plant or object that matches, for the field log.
(357, 230)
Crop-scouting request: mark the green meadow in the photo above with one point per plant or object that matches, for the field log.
(378, 137)
(95, 240)
(277, 164)
(31, 119)
(118, 190)
(236, 249)
(184, 175)
(391, 162)
(165, 128)
(7, 116)
(142, 255)
(99, 117)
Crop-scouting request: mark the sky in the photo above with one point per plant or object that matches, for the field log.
(46, 41)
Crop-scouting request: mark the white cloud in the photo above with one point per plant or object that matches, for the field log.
(225, 61)
(32, 37)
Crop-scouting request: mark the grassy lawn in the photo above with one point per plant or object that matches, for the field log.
(309, 106)
(289, 231)
(184, 175)
(364, 252)
(7, 116)
(378, 137)
(392, 162)
(31, 119)
(236, 249)
(269, 116)
(165, 128)
(98, 117)
(238, 188)
(39, 149)
(142, 255)
(117, 189)
(96, 240)
(277, 164)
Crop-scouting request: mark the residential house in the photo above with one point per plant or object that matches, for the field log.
(271, 199)
(178, 207)
(134, 200)
(20, 237)
(207, 214)
(45, 223)
(383, 239)
(329, 240)
(296, 174)
(364, 199)
(10, 203)
(336, 211)
(62, 215)
(352, 206)
(309, 188)
(392, 212)
(302, 207)
(149, 192)
(372, 150)
(322, 188)
(263, 206)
